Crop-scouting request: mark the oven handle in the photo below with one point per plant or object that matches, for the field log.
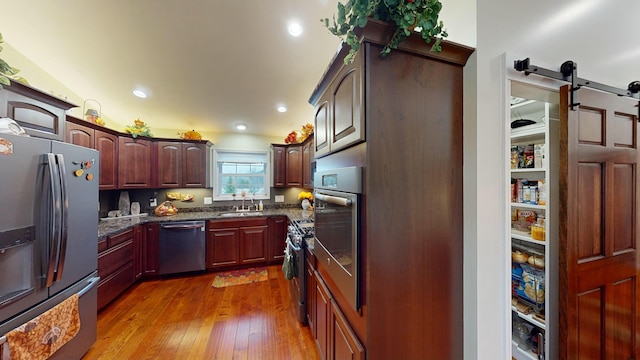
(334, 199)
(292, 245)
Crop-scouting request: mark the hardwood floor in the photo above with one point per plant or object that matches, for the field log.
(187, 318)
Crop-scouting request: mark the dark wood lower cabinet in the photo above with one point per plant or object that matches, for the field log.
(223, 247)
(138, 251)
(343, 342)
(322, 303)
(277, 238)
(151, 249)
(332, 333)
(115, 266)
(237, 242)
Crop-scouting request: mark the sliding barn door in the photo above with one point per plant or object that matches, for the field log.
(599, 205)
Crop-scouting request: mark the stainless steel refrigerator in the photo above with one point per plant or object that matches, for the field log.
(48, 234)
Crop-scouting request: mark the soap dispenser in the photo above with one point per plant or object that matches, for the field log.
(260, 206)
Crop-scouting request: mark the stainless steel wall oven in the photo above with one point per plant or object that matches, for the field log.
(337, 213)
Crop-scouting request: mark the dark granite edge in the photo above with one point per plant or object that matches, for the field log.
(111, 227)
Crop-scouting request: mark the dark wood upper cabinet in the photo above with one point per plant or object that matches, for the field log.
(279, 165)
(183, 165)
(170, 164)
(339, 116)
(346, 124)
(80, 135)
(195, 165)
(321, 122)
(307, 161)
(105, 142)
(134, 160)
(294, 165)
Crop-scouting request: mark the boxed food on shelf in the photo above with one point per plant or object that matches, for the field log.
(527, 156)
(524, 220)
(527, 191)
(538, 155)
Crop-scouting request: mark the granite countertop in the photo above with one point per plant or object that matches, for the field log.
(110, 227)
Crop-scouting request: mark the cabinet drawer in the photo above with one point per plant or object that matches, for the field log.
(102, 245)
(112, 286)
(120, 238)
(237, 223)
(111, 260)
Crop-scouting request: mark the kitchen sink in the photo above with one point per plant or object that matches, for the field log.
(240, 213)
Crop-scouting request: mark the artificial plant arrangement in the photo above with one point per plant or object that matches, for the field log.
(8, 72)
(408, 15)
(139, 128)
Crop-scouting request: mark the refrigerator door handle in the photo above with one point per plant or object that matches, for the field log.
(56, 216)
(64, 226)
(92, 283)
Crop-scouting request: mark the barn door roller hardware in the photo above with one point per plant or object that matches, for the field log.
(569, 73)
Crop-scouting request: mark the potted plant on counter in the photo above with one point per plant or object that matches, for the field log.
(406, 15)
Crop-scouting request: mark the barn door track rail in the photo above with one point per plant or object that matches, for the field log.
(569, 73)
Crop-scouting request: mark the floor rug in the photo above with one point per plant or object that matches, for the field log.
(240, 277)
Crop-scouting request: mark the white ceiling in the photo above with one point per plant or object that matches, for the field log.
(207, 64)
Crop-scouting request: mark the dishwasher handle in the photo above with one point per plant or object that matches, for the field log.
(182, 226)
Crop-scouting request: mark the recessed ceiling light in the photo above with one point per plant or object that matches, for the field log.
(139, 93)
(241, 127)
(295, 29)
(282, 108)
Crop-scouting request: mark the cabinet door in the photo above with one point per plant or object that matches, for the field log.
(294, 166)
(169, 164)
(307, 156)
(279, 166)
(310, 299)
(253, 244)
(277, 238)
(347, 120)
(80, 135)
(223, 247)
(194, 168)
(151, 249)
(322, 303)
(134, 163)
(107, 145)
(343, 342)
(138, 251)
(321, 123)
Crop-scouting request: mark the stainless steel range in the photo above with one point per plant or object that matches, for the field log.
(297, 232)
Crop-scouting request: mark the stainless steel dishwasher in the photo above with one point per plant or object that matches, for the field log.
(182, 247)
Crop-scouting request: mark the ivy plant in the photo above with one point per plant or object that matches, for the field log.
(7, 71)
(408, 16)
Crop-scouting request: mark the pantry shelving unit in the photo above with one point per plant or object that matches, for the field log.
(542, 320)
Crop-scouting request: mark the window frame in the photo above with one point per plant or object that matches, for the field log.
(217, 176)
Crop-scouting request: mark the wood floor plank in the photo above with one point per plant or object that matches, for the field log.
(186, 318)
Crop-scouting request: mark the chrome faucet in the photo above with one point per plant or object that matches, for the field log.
(249, 207)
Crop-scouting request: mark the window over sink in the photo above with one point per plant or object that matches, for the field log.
(238, 172)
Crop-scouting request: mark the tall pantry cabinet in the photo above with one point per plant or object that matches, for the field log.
(400, 118)
(533, 210)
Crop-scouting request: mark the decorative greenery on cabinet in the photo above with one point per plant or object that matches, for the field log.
(408, 16)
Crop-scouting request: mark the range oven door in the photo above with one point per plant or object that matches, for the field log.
(337, 235)
(297, 284)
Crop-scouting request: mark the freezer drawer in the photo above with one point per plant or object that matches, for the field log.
(87, 306)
